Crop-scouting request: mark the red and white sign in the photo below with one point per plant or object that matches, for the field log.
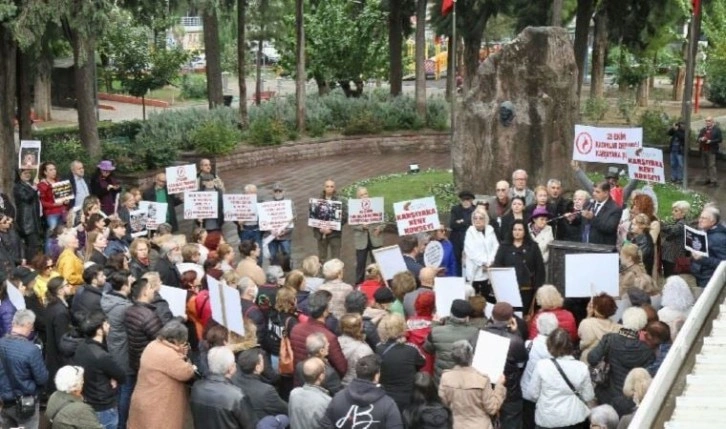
(274, 215)
(646, 164)
(201, 205)
(181, 178)
(606, 145)
(416, 216)
(240, 207)
(365, 211)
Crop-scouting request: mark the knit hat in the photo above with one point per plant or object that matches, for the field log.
(384, 295)
(424, 304)
(460, 308)
(502, 312)
(539, 212)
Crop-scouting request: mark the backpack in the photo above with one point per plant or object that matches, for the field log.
(274, 334)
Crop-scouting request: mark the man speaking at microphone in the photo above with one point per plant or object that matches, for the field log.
(603, 216)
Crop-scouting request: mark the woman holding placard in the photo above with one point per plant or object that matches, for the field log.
(53, 210)
(480, 247)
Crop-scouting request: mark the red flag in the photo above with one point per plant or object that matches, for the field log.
(446, 7)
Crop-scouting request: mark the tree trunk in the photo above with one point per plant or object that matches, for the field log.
(84, 49)
(42, 88)
(213, 57)
(258, 72)
(471, 58)
(450, 69)
(641, 95)
(395, 47)
(680, 79)
(7, 109)
(242, 62)
(556, 13)
(300, 77)
(24, 93)
(143, 107)
(599, 51)
(582, 32)
(421, 58)
(323, 86)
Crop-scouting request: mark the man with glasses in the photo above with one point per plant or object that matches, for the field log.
(704, 264)
(160, 194)
(520, 189)
(557, 206)
(282, 241)
(709, 138)
(603, 216)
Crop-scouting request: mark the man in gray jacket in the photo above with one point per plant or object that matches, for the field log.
(308, 403)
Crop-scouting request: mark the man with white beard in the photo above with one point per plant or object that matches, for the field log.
(170, 255)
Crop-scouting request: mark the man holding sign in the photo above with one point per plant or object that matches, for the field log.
(366, 236)
(160, 194)
(329, 240)
(703, 264)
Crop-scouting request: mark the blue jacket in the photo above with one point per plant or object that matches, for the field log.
(25, 360)
(7, 311)
(704, 268)
(449, 260)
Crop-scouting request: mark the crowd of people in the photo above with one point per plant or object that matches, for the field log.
(88, 341)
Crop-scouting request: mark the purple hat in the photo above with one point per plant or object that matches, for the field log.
(539, 212)
(106, 165)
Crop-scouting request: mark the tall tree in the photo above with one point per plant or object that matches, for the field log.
(557, 13)
(599, 52)
(582, 33)
(212, 54)
(421, 57)
(242, 61)
(300, 75)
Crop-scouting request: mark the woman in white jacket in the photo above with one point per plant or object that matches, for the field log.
(480, 247)
(537, 348)
(558, 404)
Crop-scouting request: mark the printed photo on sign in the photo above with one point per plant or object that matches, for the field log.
(325, 214)
(201, 205)
(62, 191)
(416, 216)
(181, 178)
(646, 164)
(29, 155)
(365, 211)
(137, 223)
(240, 207)
(274, 215)
(695, 240)
(606, 145)
(155, 213)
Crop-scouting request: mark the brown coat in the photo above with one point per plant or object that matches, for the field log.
(160, 399)
(471, 398)
(248, 267)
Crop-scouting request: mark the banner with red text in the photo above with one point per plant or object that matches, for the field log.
(416, 216)
(606, 145)
(181, 178)
(646, 164)
(365, 211)
(201, 205)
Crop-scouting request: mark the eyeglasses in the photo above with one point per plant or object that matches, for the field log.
(478, 217)
(501, 190)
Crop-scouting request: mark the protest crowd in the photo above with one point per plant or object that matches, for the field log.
(109, 318)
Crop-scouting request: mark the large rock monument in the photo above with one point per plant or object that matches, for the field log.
(520, 112)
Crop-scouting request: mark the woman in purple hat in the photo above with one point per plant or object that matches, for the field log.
(541, 232)
(106, 186)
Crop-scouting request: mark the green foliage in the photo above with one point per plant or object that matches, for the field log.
(399, 114)
(363, 122)
(655, 123)
(595, 109)
(215, 137)
(437, 114)
(65, 150)
(716, 84)
(193, 86)
(266, 132)
(626, 108)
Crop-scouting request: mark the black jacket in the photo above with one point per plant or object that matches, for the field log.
(362, 401)
(604, 226)
(433, 415)
(526, 260)
(57, 322)
(645, 243)
(332, 382)
(27, 214)
(678, 139)
(264, 398)
(399, 364)
(172, 201)
(716, 138)
(142, 325)
(100, 368)
(218, 404)
(168, 273)
(138, 269)
(516, 358)
(87, 299)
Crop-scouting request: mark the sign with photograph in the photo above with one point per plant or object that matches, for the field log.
(181, 178)
(606, 145)
(695, 240)
(137, 223)
(155, 213)
(416, 216)
(365, 211)
(325, 214)
(29, 155)
(62, 191)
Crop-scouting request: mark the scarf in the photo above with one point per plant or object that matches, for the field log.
(144, 261)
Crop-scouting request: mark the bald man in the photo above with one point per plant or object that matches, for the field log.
(308, 403)
(426, 277)
(159, 194)
(499, 206)
(329, 240)
(709, 138)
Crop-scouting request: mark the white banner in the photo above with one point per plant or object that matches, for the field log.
(240, 207)
(181, 178)
(416, 216)
(274, 215)
(325, 214)
(29, 155)
(201, 205)
(365, 211)
(606, 145)
(646, 164)
(155, 213)
(601, 275)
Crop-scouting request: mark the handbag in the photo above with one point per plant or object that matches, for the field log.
(569, 383)
(600, 373)
(285, 364)
(24, 404)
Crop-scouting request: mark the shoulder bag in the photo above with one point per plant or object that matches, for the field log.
(600, 373)
(24, 404)
(285, 364)
(569, 383)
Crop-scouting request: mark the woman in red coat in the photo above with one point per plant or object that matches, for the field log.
(54, 210)
(550, 301)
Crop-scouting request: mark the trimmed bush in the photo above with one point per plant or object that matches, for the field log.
(267, 132)
(215, 137)
(363, 123)
(193, 86)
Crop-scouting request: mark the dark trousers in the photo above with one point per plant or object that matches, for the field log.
(668, 268)
(510, 415)
(361, 261)
(582, 425)
(528, 408)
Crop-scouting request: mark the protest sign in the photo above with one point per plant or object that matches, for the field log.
(226, 306)
(240, 207)
(62, 191)
(177, 299)
(389, 260)
(29, 155)
(137, 223)
(155, 213)
(448, 289)
(646, 164)
(416, 216)
(490, 355)
(201, 205)
(602, 275)
(505, 286)
(274, 215)
(181, 178)
(183, 267)
(365, 211)
(606, 145)
(325, 213)
(695, 240)
(434, 254)
(15, 297)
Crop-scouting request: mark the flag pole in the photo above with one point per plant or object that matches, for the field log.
(453, 71)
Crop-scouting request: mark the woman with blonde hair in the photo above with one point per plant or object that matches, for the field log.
(352, 342)
(550, 300)
(373, 280)
(480, 249)
(140, 263)
(400, 361)
(96, 243)
(636, 386)
(311, 268)
(632, 271)
(672, 237)
(401, 284)
(69, 265)
(640, 236)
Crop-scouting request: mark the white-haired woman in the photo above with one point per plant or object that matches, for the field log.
(671, 235)
(66, 408)
(604, 417)
(623, 351)
(551, 301)
(480, 248)
(677, 302)
(636, 386)
(69, 265)
(546, 324)
(573, 219)
(333, 273)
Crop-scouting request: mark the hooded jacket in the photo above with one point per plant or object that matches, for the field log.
(114, 306)
(362, 404)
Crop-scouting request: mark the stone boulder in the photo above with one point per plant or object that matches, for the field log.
(534, 78)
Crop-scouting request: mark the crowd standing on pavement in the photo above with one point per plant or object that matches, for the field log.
(88, 340)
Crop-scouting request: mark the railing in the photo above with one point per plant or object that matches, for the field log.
(191, 21)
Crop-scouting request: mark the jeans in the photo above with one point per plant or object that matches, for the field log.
(9, 418)
(279, 246)
(252, 235)
(676, 166)
(51, 222)
(124, 399)
(108, 418)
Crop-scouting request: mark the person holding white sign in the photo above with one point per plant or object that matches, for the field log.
(480, 248)
(282, 243)
(366, 237)
(53, 211)
(159, 194)
(704, 265)
(210, 182)
(329, 240)
(524, 255)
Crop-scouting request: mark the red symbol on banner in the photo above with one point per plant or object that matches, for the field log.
(366, 204)
(181, 173)
(583, 143)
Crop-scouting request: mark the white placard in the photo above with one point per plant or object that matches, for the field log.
(588, 274)
(183, 267)
(416, 216)
(226, 306)
(646, 164)
(433, 254)
(365, 211)
(274, 215)
(155, 213)
(181, 178)
(607, 145)
(177, 299)
(490, 355)
(390, 261)
(240, 207)
(505, 286)
(695, 240)
(29, 155)
(201, 205)
(324, 213)
(137, 223)
(447, 290)
(15, 297)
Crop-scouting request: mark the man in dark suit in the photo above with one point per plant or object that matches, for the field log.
(159, 194)
(602, 217)
(410, 250)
